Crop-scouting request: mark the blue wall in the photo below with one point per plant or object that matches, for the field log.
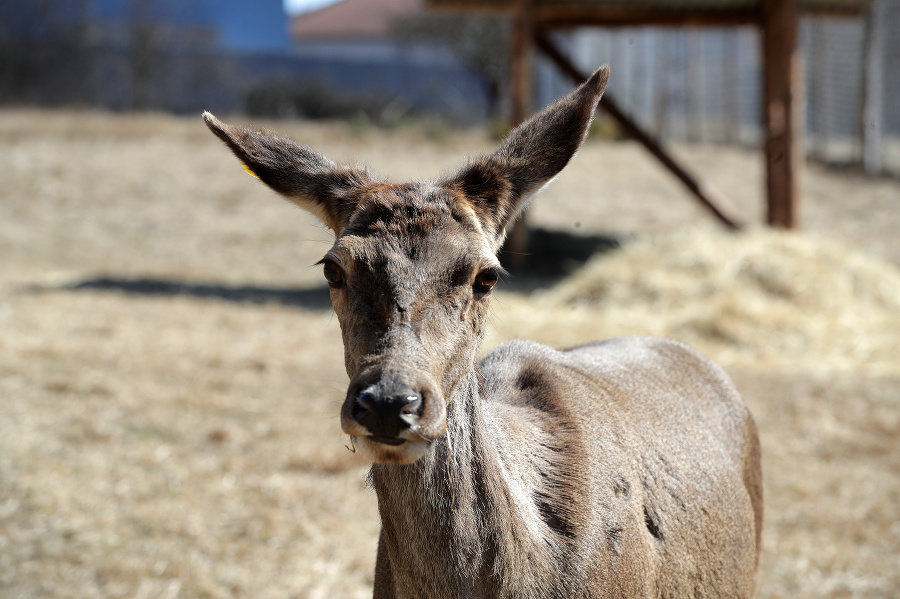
(242, 25)
(226, 55)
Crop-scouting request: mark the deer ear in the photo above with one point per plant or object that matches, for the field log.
(499, 185)
(297, 172)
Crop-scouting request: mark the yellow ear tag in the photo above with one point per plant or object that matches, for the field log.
(249, 172)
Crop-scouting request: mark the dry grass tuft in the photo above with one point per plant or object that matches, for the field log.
(762, 296)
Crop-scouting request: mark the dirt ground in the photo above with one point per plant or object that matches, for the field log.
(171, 373)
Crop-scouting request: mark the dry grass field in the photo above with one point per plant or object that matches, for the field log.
(171, 373)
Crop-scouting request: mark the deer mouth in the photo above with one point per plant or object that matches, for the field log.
(386, 440)
(391, 450)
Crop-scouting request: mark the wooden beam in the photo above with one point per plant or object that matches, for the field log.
(558, 15)
(703, 194)
(783, 107)
(561, 16)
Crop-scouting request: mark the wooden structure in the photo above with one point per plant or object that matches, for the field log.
(783, 99)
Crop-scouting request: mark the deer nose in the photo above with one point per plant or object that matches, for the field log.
(386, 415)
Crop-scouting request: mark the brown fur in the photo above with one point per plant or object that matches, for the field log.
(624, 468)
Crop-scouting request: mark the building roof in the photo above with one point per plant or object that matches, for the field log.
(649, 12)
(352, 19)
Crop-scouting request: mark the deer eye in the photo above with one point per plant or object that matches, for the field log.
(333, 274)
(486, 279)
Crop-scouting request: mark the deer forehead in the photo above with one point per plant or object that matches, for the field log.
(418, 226)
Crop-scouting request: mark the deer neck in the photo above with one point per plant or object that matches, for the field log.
(457, 505)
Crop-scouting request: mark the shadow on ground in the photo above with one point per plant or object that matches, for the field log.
(551, 256)
(315, 298)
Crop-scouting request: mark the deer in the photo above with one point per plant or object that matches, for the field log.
(626, 467)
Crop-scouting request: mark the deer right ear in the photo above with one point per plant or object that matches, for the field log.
(297, 172)
(499, 185)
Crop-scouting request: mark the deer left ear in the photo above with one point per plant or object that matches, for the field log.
(499, 185)
(297, 172)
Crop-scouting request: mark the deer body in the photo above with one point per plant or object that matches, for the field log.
(634, 446)
(624, 468)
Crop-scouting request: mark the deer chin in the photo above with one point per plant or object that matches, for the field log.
(407, 452)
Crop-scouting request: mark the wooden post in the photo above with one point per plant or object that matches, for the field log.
(521, 93)
(783, 109)
(521, 61)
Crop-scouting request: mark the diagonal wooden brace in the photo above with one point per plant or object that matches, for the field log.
(703, 194)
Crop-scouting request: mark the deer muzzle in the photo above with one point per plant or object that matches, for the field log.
(386, 417)
(392, 420)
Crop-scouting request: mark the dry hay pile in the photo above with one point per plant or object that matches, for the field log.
(759, 297)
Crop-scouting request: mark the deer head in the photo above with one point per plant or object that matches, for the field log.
(413, 265)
